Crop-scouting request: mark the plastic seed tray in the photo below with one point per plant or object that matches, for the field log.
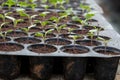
(108, 31)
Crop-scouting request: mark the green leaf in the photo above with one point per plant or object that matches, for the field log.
(39, 34)
(49, 31)
(89, 16)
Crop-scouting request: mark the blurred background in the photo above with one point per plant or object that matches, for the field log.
(111, 12)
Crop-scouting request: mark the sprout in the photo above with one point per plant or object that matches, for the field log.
(97, 30)
(9, 3)
(15, 21)
(59, 28)
(70, 30)
(91, 34)
(53, 2)
(3, 16)
(44, 14)
(27, 29)
(43, 23)
(45, 6)
(89, 16)
(3, 24)
(22, 4)
(3, 35)
(43, 35)
(85, 8)
(105, 41)
(23, 14)
(75, 37)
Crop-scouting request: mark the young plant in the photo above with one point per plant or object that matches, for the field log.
(89, 16)
(24, 14)
(85, 8)
(54, 3)
(3, 24)
(15, 21)
(22, 4)
(45, 6)
(59, 28)
(61, 2)
(91, 34)
(97, 30)
(4, 34)
(9, 3)
(27, 29)
(75, 37)
(44, 14)
(70, 30)
(3, 16)
(105, 42)
(43, 35)
(43, 24)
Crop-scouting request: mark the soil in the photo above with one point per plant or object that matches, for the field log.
(104, 37)
(72, 26)
(6, 27)
(84, 32)
(6, 39)
(42, 49)
(27, 40)
(63, 31)
(88, 43)
(34, 29)
(66, 36)
(59, 41)
(92, 20)
(92, 27)
(75, 50)
(107, 52)
(17, 34)
(10, 47)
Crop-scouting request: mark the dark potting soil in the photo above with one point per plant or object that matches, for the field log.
(104, 37)
(75, 51)
(63, 31)
(58, 42)
(72, 26)
(27, 40)
(16, 34)
(34, 29)
(107, 52)
(4, 40)
(92, 27)
(10, 47)
(42, 49)
(84, 32)
(88, 43)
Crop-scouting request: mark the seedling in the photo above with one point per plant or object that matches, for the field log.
(54, 3)
(9, 3)
(59, 28)
(4, 34)
(27, 29)
(3, 24)
(45, 6)
(44, 1)
(89, 16)
(70, 30)
(24, 14)
(3, 16)
(105, 42)
(44, 14)
(15, 21)
(69, 11)
(33, 6)
(75, 37)
(43, 35)
(43, 24)
(22, 4)
(98, 30)
(85, 8)
(61, 2)
(91, 34)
